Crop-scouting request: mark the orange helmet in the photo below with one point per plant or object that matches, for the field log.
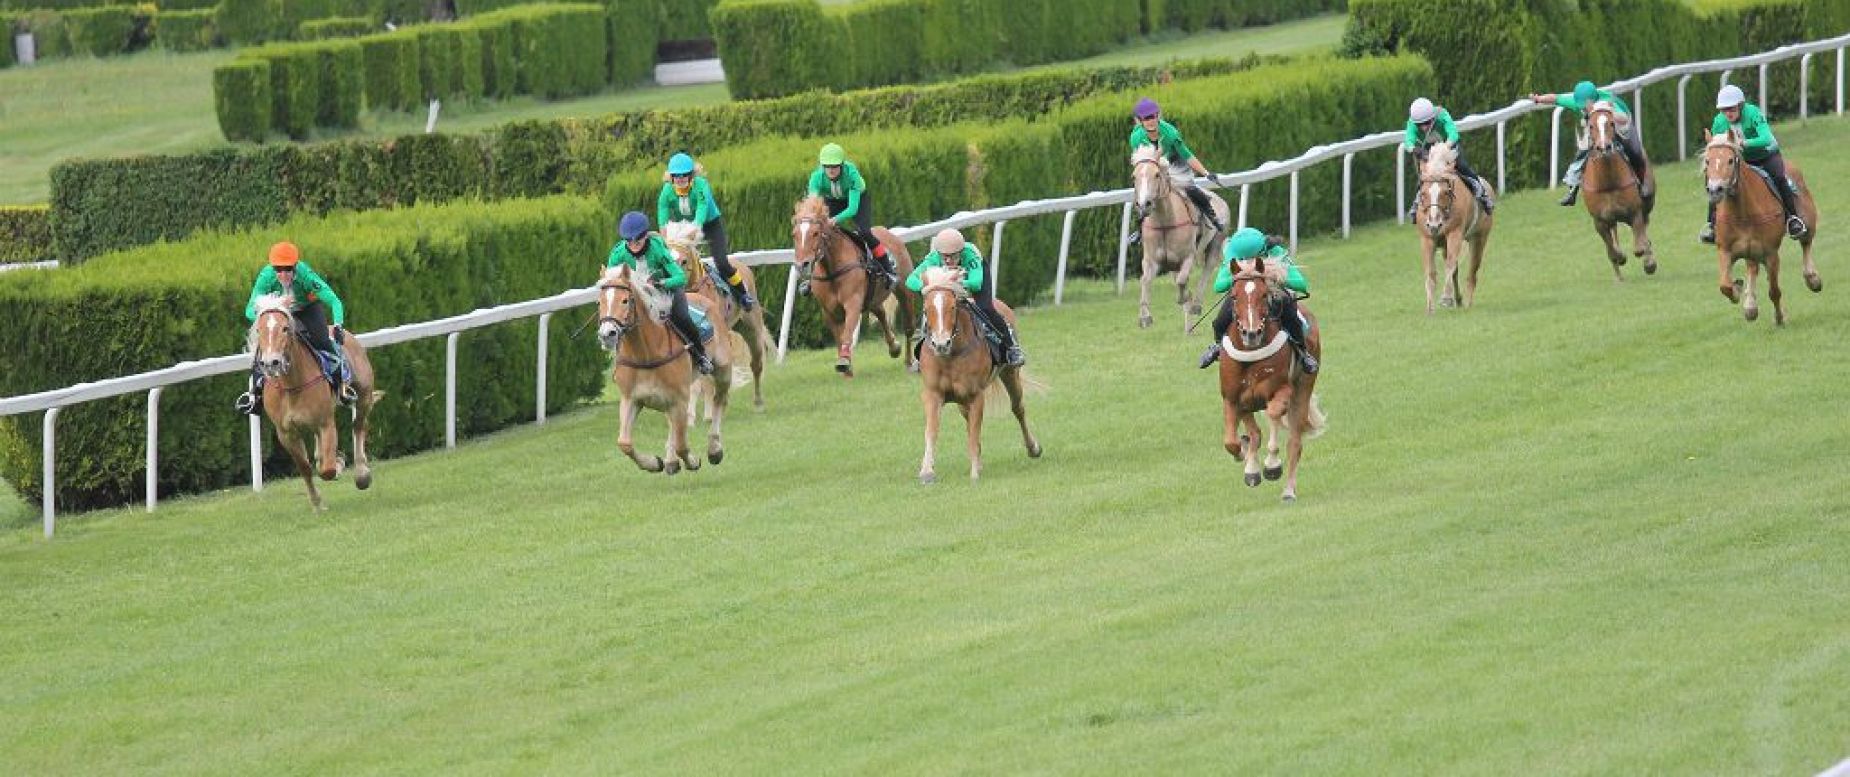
(283, 255)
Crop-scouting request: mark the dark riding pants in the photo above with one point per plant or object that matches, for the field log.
(986, 307)
(683, 322)
(1775, 166)
(721, 248)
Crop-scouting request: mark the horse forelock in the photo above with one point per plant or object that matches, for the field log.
(268, 303)
(1440, 159)
(681, 234)
(1145, 154)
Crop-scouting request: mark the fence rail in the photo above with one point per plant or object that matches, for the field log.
(50, 402)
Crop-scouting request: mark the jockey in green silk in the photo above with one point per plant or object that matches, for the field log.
(288, 275)
(1152, 130)
(838, 182)
(951, 243)
(1429, 124)
(686, 196)
(1244, 246)
(1758, 148)
(1580, 100)
(639, 247)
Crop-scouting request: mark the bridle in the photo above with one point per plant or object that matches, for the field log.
(291, 332)
(946, 348)
(825, 242)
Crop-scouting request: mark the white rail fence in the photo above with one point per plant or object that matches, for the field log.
(50, 402)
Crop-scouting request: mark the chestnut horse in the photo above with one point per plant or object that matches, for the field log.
(956, 366)
(1445, 224)
(652, 369)
(1611, 191)
(1172, 238)
(1750, 223)
(844, 287)
(300, 403)
(683, 239)
(1260, 372)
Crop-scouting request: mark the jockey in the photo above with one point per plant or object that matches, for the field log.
(1583, 97)
(686, 196)
(1428, 124)
(286, 274)
(1758, 148)
(838, 182)
(641, 247)
(950, 243)
(1151, 130)
(1245, 245)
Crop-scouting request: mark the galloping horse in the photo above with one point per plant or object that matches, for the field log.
(1441, 191)
(1612, 193)
(651, 367)
(1172, 238)
(956, 366)
(1750, 223)
(683, 239)
(300, 403)
(844, 287)
(1261, 373)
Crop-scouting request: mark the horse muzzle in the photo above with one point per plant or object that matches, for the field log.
(273, 366)
(1717, 192)
(609, 332)
(941, 347)
(1251, 339)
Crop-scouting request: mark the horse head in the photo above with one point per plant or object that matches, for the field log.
(1602, 128)
(617, 311)
(1721, 165)
(812, 232)
(1252, 293)
(271, 333)
(682, 236)
(1149, 178)
(943, 288)
(1437, 194)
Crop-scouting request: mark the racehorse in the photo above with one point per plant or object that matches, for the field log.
(1750, 223)
(652, 369)
(1611, 190)
(299, 402)
(1261, 373)
(956, 366)
(683, 239)
(1172, 234)
(1444, 223)
(844, 286)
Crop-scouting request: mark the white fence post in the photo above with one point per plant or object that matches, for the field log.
(1400, 184)
(1763, 67)
(1554, 148)
(1294, 211)
(1066, 243)
(449, 390)
(49, 473)
(539, 375)
(1727, 75)
(1246, 191)
(1683, 117)
(1502, 156)
(1348, 173)
(1840, 81)
(154, 445)
(995, 255)
(790, 303)
(256, 454)
(1124, 244)
(1805, 86)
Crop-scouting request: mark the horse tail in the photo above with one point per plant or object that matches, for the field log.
(1029, 384)
(1315, 422)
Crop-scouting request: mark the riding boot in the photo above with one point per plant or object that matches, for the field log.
(802, 280)
(696, 349)
(1789, 199)
(1573, 194)
(745, 298)
(1573, 178)
(1481, 190)
(1200, 198)
(885, 263)
(1011, 347)
(1221, 321)
(1293, 323)
(1136, 235)
(1708, 230)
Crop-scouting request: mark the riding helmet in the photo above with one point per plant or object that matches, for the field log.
(283, 255)
(1422, 111)
(1245, 244)
(633, 225)
(1147, 108)
(948, 242)
(1585, 93)
(681, 164)
(1731, 96)
(832, 155)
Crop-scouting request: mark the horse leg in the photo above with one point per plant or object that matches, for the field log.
(886, 330)
(1185, 297)
(1011, 380)
(845, 337)
(680, 417)
(755, 345)
(1477, 260)
(298, 452)
(1249, 445)
(1144, 319)
(1297, 420)
(973, 427)
(1772, 289)
(1275, 411)
(327, 448)
(1750, 302)
(1231, 439)
(1608, 234)
(934, 408)
(362, 418)
(626, 420)
(722, 395)
(1812, 281)
(1730, 287)
(1427, 247)
(1454, 251)
(1641, 244)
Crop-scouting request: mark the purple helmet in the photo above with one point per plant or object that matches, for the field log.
(1146, 108)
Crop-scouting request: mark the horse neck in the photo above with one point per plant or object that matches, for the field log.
(303, 366)
(1169, 203)
(648, 340)
(1749, 199)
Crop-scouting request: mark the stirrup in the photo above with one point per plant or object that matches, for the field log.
(347, 394)
(1573, 194)
(1135, 237)
(1796, 227)
(1210, 356)
(703, 363)
(1707, 235)
(1308, 361)
(1015, 357)
(248, 403)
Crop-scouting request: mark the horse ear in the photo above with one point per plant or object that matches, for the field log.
(1706, 134)
(1259, 264)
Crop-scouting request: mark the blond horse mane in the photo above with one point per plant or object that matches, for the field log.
(1146, 154)
(682, 236)
(939, 277)
(656, 301)
(1441, 160)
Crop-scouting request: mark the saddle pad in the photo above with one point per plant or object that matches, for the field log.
(1768, 177)
(702, 323)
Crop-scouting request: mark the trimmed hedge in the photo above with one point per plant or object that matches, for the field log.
(248, 22)
(158, 305)
(8, 57)
(100, 32)
(559, 49)
(242, 94)
(635, 29)
(343, 84)
(25, 233)
(391, 71)
(335, 27)
(191, 30)
(48, 32)
(682, 19)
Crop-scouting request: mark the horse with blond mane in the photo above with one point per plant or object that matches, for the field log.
(683, 239)
(1750, 224)
(299, 402)
(1614, 193)
(955, 365)
(1259, 372)
(651, 368)
(844, 286)
(1448, 227)
(1174, 239)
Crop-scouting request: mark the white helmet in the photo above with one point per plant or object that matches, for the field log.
(1422, 111)
(1731, 96)
(948, 242)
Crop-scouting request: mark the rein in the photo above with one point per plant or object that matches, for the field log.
(1165, 190)
(624, 328)
(1733, 193)
(1271, 348)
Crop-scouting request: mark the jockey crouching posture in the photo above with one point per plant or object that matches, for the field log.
(1581, 100)
(686, 196)
(639, 246)
(287, 275)
(838, 182)
(1151, 130)
(1758, 148)
(1428, 124)
(949, 249)
(1243, 247)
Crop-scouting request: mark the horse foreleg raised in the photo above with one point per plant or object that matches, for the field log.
(1011, 381)
(1812, 281)
(1730, 287)
(327, 449)
(362, 421)
(845, 337)
(886, 330)
(1150, 266)
(973, 427)
(1231, 439)
(298, 452)
(934, 408)
(1608, 234)
(626, 427)
(1641, 243)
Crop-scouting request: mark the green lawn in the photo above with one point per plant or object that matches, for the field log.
(1585, 527)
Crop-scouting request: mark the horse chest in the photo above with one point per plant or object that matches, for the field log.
(1253, 388)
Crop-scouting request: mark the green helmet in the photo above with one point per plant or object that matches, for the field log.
(1245, 244)
(832, 154)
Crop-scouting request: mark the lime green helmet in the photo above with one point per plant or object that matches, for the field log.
(1245, 244)
(832, 154)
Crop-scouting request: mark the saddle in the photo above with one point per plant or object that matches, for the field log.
(988, 332)
(1768, 178)
(723, 288)
(333, 365)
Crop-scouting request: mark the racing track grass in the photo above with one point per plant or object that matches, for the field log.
(1582, 528)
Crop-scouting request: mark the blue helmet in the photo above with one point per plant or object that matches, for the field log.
(633, 225)
(681, 164)
(1585, 93)
(1244, 244)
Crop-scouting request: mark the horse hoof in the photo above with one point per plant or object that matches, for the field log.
(757, 405)
(716, 455)
(651, 464)
(1288, 497)
(1194, 310)
(329, 474)
(1446, 303)
(1274, 473)
(927, 478)
(1814, 282)
(1751, 314)
(364, 480)
(1619, 261)
(1650, 266)
(913, 368)
(892, 351)
(671, 467)
(1252, 479)
(1034, 451)
(1145, 322)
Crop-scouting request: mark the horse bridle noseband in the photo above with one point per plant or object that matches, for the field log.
(1734, 177)
(821, 256)
(957, 320)
(292, 331)
(621, 325)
